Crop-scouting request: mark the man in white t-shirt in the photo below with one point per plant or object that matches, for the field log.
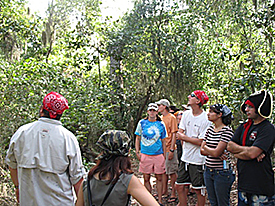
(192, 128)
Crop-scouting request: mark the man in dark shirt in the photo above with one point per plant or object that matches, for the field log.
(253, 144)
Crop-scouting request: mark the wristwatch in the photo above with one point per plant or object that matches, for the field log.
(171, 150)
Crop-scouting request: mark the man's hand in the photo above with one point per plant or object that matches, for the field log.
(260, 157)
(181, 136)
(170, 155)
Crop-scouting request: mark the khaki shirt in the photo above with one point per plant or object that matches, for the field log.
(48, 161)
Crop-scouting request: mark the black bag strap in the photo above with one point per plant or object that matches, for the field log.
(128, 199)
(89, 192)
(112, 184)
(108, 192)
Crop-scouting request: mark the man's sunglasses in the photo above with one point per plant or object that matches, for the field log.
(193, 95)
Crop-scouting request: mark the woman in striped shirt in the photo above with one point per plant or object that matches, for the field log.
(218, 175)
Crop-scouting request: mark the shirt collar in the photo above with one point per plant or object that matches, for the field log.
(51, 121)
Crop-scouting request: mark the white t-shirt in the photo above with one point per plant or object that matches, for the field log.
(48, 162)
(195, 127)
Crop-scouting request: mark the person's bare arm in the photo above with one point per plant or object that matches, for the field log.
(164, 147)
(77, 185)
(181, 131)
(214, 152)
(249, 153)
(173, 144)
(203, 152)
(195, 141)
(14, 178)
(233, 147)
(244, 152)
(140, 193)
(80, 196)
(137, 146)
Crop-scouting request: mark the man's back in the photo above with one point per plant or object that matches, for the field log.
(48, 160)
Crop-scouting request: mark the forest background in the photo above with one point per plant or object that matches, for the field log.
(110, 70)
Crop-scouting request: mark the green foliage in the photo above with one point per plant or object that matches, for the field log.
(18, 30)
(169, 49)
(235, 38)
(160, 49)
(28, 82)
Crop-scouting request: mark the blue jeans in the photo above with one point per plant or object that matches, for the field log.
(245, 199)
(218, 184)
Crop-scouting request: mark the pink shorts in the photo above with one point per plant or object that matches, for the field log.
(152, 164)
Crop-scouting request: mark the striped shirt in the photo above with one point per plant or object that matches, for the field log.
(212, 140)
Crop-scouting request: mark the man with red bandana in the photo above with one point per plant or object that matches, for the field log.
(252, 144)
(44, 158)
(192, 128)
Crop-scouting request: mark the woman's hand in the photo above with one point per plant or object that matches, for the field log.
(223, 156)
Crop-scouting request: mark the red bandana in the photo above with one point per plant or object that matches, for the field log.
(55, 104)
(248, 124)
(249, 103)
(201, 96)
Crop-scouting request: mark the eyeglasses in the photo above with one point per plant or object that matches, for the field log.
(150, 110)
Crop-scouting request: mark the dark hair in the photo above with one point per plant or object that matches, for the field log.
(113, 167)
(47, 114)
(167, 108)
(158, 118)
(226, 120)
(174, 108)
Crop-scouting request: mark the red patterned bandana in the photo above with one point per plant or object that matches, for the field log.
(249, 103)
(201, 96)
(248, 124)
(55, 104)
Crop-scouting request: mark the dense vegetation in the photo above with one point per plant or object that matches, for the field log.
(109, 71)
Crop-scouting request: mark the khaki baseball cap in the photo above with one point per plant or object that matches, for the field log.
(164, 102)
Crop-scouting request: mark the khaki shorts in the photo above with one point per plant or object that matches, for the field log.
(152, 164)
(171, 166)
